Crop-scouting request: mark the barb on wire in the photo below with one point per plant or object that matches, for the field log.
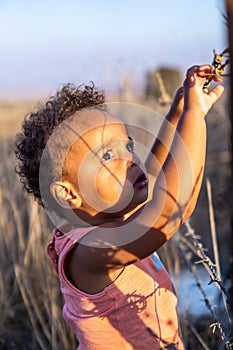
(187, 257)
(189, 246)
(201, 252)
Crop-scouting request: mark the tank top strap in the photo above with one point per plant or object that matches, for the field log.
(63, 238)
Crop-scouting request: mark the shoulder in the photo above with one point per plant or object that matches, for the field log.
(84, 261)
(89, 269)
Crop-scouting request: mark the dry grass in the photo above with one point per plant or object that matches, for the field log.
(30, 299)
(11, 115)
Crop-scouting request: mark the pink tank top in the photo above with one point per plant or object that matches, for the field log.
(135, 312)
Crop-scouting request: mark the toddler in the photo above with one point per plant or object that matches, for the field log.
(79, 162)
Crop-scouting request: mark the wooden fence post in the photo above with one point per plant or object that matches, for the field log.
(229, 9)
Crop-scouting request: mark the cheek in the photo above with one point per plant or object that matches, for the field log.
(99, 182)
(105, 186)
(111, 182)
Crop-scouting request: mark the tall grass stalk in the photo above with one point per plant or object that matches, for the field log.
(28, 284)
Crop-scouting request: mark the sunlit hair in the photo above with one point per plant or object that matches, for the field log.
(38, 126)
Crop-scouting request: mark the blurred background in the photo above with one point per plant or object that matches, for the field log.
(137, 52)
(47, 43)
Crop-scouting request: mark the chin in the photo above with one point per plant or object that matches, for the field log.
(141, 196)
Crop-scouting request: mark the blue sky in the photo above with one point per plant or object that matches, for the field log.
(45, 43)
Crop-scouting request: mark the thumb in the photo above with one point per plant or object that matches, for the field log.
(216, 93)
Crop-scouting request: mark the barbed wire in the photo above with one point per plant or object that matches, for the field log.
(190, 246)
(219, 66)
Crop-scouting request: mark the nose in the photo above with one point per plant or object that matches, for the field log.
(132, 160)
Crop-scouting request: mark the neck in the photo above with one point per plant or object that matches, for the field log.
(85, 219)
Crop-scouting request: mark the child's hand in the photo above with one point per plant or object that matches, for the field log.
(196, 98)
(177, 104)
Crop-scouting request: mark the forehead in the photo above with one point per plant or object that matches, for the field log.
(81, 133)
(98, 126)
(88, 120)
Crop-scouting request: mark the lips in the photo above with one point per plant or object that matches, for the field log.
(141, 181)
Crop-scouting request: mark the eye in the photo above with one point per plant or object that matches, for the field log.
(108, 155)
(130, 145)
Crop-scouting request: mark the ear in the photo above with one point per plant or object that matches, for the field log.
(65, 195)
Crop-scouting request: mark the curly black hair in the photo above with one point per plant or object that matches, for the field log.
(38, 126)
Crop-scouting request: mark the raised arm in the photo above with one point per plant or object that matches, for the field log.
(179, 181)
(162, 144)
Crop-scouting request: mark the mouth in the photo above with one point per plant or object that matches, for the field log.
(141, 181)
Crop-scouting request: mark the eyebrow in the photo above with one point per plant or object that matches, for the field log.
(106, 144)
(101, 146)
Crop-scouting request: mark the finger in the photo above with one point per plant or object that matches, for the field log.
(216, 93)
(191, 71)
(205, 75)
(190, 80)
(200, 70)
(179, 93)
(205, 70)
(178, 100)
(218, 79)
(198, 74)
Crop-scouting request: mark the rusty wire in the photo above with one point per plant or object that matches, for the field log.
(190, 245)
(219, 63)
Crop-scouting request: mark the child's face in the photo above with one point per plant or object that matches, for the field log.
(102, 165)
